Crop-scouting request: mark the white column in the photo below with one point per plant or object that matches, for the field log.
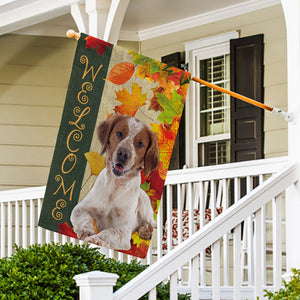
(292, 17)
(98, 11)
(94, 284)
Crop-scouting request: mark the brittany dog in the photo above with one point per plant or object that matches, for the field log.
(116, 203)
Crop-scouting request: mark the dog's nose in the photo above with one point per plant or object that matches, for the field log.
(123, 154)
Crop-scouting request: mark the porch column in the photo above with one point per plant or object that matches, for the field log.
(291, 10)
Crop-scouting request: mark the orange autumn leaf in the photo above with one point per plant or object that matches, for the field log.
(143, 71)
(121, 73)
(130, 102)
(96, 162)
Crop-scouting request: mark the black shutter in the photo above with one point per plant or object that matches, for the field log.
(178, 155)
(246, 78)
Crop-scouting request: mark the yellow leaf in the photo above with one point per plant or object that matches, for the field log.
(136, 240)
(96, 161)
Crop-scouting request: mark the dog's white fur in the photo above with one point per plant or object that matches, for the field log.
(116, 201)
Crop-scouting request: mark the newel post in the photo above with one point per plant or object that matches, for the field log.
(96, 285)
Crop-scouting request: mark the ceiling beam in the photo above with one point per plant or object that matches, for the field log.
(18, 14)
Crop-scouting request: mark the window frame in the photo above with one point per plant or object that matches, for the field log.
(196, 51)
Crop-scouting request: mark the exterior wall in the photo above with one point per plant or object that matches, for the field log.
(34, 75)
(33, 79)
(271, 23)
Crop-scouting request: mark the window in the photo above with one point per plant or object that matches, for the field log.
(214, 112)
(208, 110)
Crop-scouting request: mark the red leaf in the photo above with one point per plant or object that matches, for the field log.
(176, 77)
(121, 73)
(66, 229)
(94, 43)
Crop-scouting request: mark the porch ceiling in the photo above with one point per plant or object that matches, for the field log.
(143, 19)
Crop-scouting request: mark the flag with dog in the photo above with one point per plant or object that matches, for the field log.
(114, 145)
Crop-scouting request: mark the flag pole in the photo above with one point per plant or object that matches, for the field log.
(286, 115)
(71, 34)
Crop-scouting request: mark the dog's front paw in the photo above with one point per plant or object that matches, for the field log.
(82, 234)
(145, 232)
(97, 240)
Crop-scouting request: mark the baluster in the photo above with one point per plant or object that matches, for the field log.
(159, 231)
(202, 200)
(9, 229)
(32, 223)
(152, 294)
(191, 221)
(249, 229)
(121, 256)
(173, 286)
(169, 217)
(225, 236)
(258, 287)
(40, 230)
(17, 223)
(277, 240)
(237, 268)
(190, 208)
(215, 260)
(237, 189)
(263, 240)
(149, 254)
(179, 228)
(24, 224)
(48, 240)
(64, 239)
(194, 282)
(2, 207)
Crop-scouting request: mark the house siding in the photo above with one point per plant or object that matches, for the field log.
(34, 75)
(271, 23)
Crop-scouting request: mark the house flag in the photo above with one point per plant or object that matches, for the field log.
(114, 145)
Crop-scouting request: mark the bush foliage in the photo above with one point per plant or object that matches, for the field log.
(47, 271)
(290, 291)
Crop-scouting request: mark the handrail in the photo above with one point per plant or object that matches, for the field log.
(22, 194)
(230, 170)
(240, 169)
(200, 240)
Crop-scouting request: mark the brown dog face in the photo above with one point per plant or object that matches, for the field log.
(130, 145)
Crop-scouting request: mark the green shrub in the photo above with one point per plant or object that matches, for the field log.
(290, 291)
(46, 272)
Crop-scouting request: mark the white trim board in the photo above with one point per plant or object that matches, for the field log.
(206, 18)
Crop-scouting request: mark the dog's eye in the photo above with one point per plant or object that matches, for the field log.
(139, 144)
(119, 134)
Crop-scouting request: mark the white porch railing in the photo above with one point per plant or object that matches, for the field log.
(190, 190)
(253, 205)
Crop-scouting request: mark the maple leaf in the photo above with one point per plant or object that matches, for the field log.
(185, 78)
(121, 73)
(176, 77)
(66, 229)
(154, 105)
(140, 59)
(171, 108)
(130, 102)
(143, 71)
(92, 42)
(96, 162)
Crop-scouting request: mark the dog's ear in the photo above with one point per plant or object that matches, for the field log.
(104, 130)
(151, 161)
